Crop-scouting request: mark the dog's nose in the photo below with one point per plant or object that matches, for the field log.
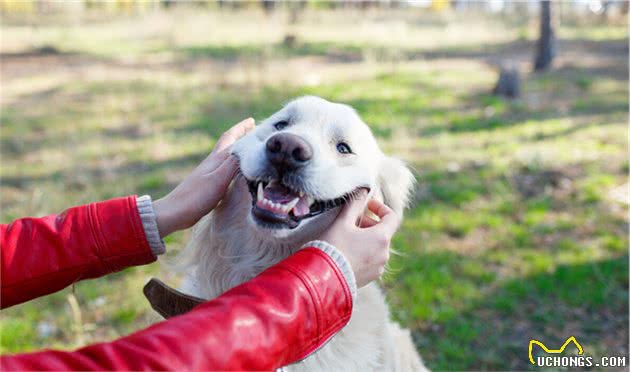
(288, 151)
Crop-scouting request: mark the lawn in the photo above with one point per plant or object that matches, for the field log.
(518, 228)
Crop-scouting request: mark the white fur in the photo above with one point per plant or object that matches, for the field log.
(228, 246)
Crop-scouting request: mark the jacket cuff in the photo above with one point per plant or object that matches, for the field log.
(119, 240)
(149, 224)
(341, 261)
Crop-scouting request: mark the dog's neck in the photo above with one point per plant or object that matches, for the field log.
(232, 252)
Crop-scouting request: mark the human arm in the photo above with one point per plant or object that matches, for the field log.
(43, 255)
(277, 318)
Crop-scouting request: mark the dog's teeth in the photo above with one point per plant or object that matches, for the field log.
(309, 200)
(301, 194)
(290, 205)
(287, 207)
(260, 191)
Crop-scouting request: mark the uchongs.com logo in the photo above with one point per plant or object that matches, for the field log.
(551, 357)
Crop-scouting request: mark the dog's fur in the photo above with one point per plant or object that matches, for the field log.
(230, 247)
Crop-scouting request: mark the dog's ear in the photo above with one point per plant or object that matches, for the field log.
(396, 183)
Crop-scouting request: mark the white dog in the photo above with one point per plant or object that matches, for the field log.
(297, 168)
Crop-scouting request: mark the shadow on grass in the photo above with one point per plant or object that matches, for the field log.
(486, 266)
(335, 52)
(477, 111)
(488, 112)
(212, 114)
(99, 175)
(494, 54)
(46, 50)
(220, 112)
(588, 301)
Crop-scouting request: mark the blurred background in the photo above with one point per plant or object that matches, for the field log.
(513, 116)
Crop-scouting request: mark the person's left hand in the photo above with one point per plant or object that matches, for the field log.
(202, 190)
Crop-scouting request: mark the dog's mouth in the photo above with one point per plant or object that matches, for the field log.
(277, 205)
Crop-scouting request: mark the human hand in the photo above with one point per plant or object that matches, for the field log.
(202, 190)
(362, 240)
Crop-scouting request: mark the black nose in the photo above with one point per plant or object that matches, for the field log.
(288, 151)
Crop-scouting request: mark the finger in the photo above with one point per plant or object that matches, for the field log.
(353, 209)
(388, 219)
(212, 162)
(366, 221)
(389, 223)
(233, 134)
(220, 179)
(379, 208)
(227, 170)
(218, 156)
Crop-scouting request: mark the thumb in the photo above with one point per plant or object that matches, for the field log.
(355, 208)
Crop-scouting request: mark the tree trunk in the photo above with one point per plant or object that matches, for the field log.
(545, 51)
(268, 6)
(509, 83)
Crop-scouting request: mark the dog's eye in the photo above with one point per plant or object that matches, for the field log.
(343, 148)
(281, 125)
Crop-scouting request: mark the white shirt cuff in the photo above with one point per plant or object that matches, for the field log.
(341, 261)
(149, 223)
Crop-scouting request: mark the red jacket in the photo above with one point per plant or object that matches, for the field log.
(277, 318)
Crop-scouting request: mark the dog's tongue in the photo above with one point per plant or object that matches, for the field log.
(278, 193)
(302, 207)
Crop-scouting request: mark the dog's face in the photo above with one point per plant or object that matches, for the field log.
(309, 158)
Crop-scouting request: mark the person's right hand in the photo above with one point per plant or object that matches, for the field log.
(362, 240)
(202, 190)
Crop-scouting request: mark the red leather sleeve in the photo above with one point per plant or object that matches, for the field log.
(43, 255)
(277, 318)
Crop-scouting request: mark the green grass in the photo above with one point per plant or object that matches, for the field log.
(511, 235)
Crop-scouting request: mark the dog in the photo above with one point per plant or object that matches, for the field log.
(296, 170)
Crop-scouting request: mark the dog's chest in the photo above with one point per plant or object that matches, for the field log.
(360, 346)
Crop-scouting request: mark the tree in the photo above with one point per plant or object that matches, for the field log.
(545, 49)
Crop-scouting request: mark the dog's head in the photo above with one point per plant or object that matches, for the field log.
(308, 159)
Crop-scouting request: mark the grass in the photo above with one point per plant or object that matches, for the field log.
(512, 233)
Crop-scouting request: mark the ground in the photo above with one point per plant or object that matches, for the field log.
(518, 227)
